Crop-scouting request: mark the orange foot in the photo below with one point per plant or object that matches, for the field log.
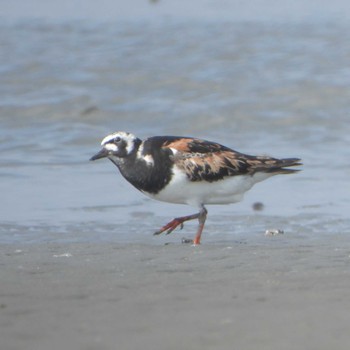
(173, 224)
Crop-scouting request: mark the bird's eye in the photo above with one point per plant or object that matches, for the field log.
(117, 139)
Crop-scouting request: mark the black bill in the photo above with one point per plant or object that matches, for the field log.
(102, 154)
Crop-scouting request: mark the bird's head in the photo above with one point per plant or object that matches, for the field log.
(118, 145)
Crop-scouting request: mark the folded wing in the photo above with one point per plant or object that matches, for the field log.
(208, 161)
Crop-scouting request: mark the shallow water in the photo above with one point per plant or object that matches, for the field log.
(260, 88)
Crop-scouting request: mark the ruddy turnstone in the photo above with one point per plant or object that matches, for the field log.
(190, 171)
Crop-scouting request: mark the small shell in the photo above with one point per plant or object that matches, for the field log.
(274, 232)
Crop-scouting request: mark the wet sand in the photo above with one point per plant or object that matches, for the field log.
(280, 292)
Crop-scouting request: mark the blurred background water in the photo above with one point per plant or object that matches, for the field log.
(259, 79)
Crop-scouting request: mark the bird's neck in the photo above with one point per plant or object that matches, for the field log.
(147, 176)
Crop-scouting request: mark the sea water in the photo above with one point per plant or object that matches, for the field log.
(258, 87)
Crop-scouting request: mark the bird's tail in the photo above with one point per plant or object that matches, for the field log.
(280, 166)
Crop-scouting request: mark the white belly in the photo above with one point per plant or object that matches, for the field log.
(229, 190)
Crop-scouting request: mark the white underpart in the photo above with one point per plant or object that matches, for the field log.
(228, 190)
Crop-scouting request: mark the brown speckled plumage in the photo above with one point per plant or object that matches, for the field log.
(209, 161)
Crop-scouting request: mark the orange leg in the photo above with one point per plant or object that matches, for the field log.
(173, 224)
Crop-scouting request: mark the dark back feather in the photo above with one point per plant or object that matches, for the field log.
(210, 161)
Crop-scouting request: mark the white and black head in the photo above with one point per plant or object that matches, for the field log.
(118, 146)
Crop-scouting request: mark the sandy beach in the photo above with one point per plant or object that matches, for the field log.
(271, 293)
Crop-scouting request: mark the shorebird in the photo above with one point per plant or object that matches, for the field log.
(188, 170)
